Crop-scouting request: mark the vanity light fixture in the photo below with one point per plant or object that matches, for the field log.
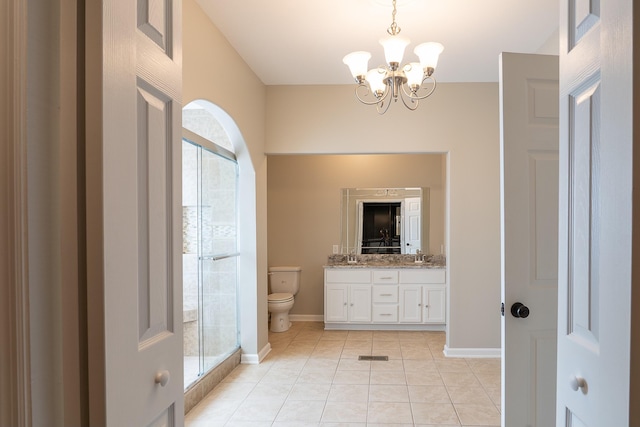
(411, 82)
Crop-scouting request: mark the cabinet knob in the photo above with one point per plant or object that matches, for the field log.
(426, 305)
(351, 304)
(419, 305)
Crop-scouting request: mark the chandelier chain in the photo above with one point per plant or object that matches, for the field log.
(393, 28)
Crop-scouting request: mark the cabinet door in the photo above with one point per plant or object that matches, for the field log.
(434, 304)
(336, 297)
(360, 303)
(411, 304)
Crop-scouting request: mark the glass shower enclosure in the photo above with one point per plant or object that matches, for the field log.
(210, 258)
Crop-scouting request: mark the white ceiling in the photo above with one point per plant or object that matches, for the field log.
(302, 42)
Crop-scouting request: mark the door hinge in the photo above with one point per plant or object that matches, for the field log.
(502, 309)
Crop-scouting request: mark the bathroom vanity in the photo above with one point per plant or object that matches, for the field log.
(391, 295)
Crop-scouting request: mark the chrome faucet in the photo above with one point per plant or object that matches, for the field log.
(419, 256)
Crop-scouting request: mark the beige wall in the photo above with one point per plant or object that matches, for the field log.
(303, 212)
(459, 119)
(213, 70)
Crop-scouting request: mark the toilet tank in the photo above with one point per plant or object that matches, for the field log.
(284, 279)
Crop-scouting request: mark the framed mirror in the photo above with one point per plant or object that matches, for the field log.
(384, 220)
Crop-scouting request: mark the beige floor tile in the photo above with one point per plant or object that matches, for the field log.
(280, 376)
(419, 365)
(459, 379)
(389, 412)
(387, 365)
(489, 380)
(358, 344)
(302, 391)
(477, 415)
(215, 411)
(423, 378)
(348, 393)
(316, 377)
(418, 354)
(341, 412)
(453, 365)
(301, 411)
(428, 394)
(434, 413)
(270, 391)
(351, 377)
(312, 377)
(354, 365)
(326, 353)
(388, 393)
(257, 410)
(319, 364)
(360, 335)
(388, 377)
(354, 353)
(475, 395)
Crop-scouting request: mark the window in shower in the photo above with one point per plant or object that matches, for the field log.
(210, 252)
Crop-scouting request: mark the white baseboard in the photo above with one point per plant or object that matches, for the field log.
(472, 353)
(306, 317)
(254, 359)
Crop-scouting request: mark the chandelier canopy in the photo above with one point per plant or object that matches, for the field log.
(411, 82)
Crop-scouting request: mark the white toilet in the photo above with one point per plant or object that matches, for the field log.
(284, 283)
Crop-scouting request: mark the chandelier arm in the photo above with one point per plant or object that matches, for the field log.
(367, 92)
(381, 108)
(433, 88)
(414, 101)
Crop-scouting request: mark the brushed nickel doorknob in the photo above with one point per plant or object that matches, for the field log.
(162, 377)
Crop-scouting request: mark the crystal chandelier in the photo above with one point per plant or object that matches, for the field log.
(410, 83)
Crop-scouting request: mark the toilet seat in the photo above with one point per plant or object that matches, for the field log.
(280, 297)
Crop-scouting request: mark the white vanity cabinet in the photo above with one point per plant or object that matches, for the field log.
(422, 296)
(347, 296)
(384, 298)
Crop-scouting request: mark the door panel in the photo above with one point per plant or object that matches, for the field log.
(134, 215)
(596, 214)
(529, 225)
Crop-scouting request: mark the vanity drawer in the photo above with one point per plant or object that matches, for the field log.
(436, 275)
(348, 276)
(385, 293)
(384, 313)
(385, 276)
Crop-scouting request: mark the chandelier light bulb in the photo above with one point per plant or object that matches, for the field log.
(358, 62)
(429, 53)
(375, 78)
(394, 50)
(414, 74)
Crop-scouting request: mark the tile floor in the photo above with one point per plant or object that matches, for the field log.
(313, 377)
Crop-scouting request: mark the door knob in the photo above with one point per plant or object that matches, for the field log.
(520, 310)
(162, 378)
(579, 383)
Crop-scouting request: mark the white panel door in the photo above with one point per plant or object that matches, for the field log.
(596, 213)
(134, 212)
(412, 219)
(529, 228)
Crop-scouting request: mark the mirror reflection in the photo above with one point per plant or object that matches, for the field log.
(384, 220)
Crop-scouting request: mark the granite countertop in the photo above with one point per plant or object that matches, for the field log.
(386, 261)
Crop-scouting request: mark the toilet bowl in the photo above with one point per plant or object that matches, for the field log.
(279, 305)
(284, 283)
